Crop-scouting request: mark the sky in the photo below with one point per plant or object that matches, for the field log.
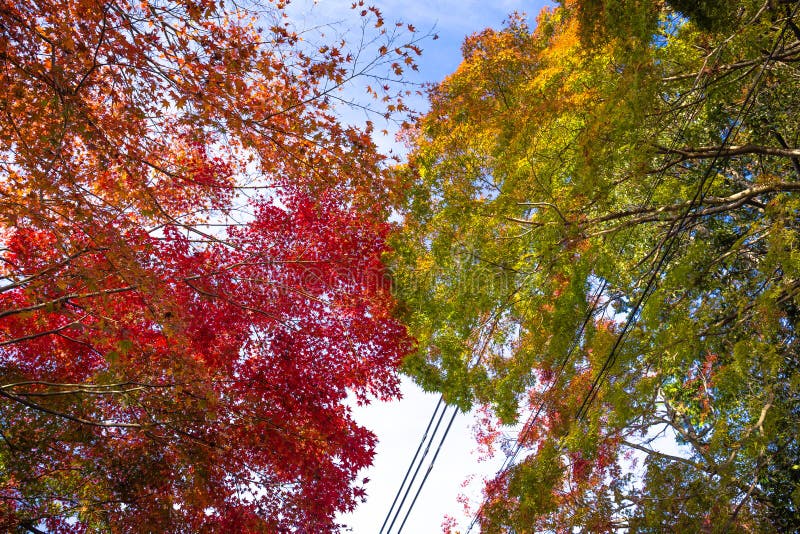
(399, 425)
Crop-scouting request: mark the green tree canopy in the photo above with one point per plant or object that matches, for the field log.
(601, 236)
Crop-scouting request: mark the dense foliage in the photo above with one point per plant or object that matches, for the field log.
(190, 274)
(601, 238)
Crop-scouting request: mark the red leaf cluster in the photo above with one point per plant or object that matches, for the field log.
(191, 275)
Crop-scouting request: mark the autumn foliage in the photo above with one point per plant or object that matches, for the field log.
(191, 268)
(624, 174)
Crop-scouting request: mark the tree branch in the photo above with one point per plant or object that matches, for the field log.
(65, 298)
(706, 152)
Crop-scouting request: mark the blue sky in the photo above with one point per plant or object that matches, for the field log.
(399, 425)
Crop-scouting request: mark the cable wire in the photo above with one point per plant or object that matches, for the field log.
(411, 465)
(526, 428)
(672, 236)
(430, 467)
(416, 471)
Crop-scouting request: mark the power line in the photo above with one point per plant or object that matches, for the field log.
(430, 467)
(507, 463)
(419, 465)
(674, 234)
(422, 459)
(633, 315)
(413, 460)
(690, 113)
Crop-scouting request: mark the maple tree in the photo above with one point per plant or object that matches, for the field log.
(600, 241)
(191, 276)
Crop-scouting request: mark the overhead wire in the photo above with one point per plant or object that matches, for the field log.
(430, 467)
(419, 464)
(526, 428)
(688, 116)
(411, 465)
(422, 459)
(507, 464)
(674, 233)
